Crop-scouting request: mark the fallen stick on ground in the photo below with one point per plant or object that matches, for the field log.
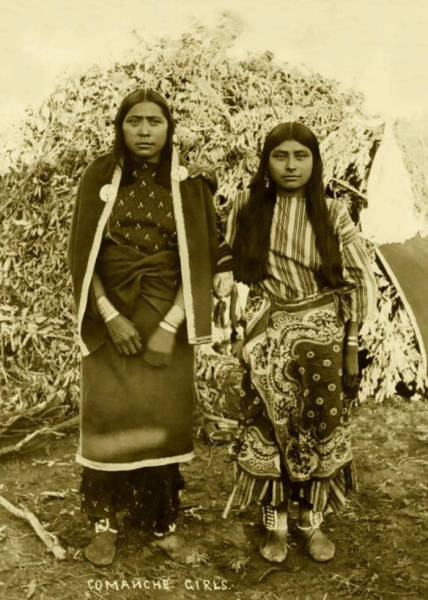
(42, 431)
(268, 572)
(47, 495)
(66, 424)
(19, 445)
(49, 539)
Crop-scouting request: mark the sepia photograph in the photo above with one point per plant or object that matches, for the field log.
(213, 300)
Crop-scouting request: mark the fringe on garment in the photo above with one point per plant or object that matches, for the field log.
(325, 495)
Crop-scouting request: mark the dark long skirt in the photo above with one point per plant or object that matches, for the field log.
(136, 426)
(134, 415)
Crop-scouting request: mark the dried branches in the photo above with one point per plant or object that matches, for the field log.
(49, 539)
(221, 120)
(55, 430)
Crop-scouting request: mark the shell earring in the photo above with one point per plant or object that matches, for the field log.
(266, 180)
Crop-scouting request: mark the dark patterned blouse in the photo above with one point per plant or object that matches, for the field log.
(142, 215)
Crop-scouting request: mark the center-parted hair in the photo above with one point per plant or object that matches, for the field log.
(251, 244)
(123, 155)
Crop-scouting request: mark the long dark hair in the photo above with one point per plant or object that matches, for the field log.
(251, 244)
(123, 155)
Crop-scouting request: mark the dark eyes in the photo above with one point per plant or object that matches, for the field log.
(151, 121)
(298, 155)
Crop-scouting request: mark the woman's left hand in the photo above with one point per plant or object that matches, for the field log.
(160, 346)
(223, 284)
(350, 366)
(196, 170)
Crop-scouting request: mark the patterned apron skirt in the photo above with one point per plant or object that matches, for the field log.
(294, 440)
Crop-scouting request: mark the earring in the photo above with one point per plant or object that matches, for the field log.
(266, 180)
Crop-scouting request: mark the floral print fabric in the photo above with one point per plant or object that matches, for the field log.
(295, 415)
(143, 215)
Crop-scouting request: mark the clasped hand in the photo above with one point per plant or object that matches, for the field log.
(124, 335)
(159, 348)
(197, 170)
(127, 340)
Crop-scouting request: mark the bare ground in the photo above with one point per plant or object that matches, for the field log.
(382, 537)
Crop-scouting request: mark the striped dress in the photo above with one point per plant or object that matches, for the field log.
(294, 439)
(293, 256)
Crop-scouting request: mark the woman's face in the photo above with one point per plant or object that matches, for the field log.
(145, 130)
(290, 165)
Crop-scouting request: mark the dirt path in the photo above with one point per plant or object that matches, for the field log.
(382, 537)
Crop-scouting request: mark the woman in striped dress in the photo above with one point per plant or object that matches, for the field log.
(311, 285)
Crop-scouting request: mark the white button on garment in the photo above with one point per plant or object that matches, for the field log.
(106, 192)
(180, 174)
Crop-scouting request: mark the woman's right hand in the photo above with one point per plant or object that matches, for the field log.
(350, 367)
(124, 335)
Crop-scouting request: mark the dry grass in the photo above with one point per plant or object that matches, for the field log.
(223, 107)
(381, 537)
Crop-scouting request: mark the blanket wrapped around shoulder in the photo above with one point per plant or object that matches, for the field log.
(127, 273)
(200, 252)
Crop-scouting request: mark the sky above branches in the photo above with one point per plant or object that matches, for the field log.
(377, 46)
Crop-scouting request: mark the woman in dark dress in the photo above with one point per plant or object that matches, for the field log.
(311, 284)
(144, 255)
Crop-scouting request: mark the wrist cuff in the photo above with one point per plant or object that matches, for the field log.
(168, 327)
(175, 316)
(106, 308)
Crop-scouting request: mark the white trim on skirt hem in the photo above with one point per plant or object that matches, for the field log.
(148, 462)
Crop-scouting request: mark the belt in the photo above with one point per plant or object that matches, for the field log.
(306, 304)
